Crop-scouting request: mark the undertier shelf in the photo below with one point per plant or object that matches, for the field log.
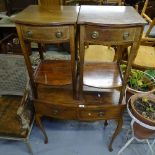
(54, 72)
(64, 96)
(102, 75)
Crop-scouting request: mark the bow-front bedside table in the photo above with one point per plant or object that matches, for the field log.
(115, 26)
(54, 81)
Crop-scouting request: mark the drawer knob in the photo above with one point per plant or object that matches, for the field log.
(101, 114)
(126, 35)
(89, 114)
(58, 34)
(55, 112)
(29, 34)
(94, 35)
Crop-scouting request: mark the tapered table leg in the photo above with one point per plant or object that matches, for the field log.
(40, 125)
(117, 131)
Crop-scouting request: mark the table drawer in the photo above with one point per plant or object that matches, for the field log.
(104, 113)
(96, 34)
(46, 34)
(56, 111)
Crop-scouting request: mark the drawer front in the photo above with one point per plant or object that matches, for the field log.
(46, 34)
(114, 36)
(90, 114)
(56, 111)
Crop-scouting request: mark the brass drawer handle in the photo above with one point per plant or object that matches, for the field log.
(29, 34)
(58, 34)
(126, 35)
(89, 114)
(101, 114)
(94, 34)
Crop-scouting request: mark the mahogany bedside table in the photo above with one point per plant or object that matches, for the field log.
(117, 26)
(54, 81)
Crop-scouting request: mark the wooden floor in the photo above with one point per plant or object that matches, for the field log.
(145, 56)
(99, 53)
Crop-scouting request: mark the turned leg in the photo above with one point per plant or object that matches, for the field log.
(117, 130)
(40, 125)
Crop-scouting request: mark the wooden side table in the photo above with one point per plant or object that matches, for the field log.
(117, 26)
(54, 81)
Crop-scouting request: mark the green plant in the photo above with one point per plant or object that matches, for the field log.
(149, 107)
(145, 99)
(139, 80)
(145, 107)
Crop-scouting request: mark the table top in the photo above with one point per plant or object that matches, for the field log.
(110, 16)
(36, 15)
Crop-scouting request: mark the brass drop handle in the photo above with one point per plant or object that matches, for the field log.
(29, 34)
(59, 34)
(126, 35)
(94, 34)
(101, 114)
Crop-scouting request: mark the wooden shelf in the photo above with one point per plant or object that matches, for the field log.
(57, 95)
(63, 96)
(54, 72)
(102, 75)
